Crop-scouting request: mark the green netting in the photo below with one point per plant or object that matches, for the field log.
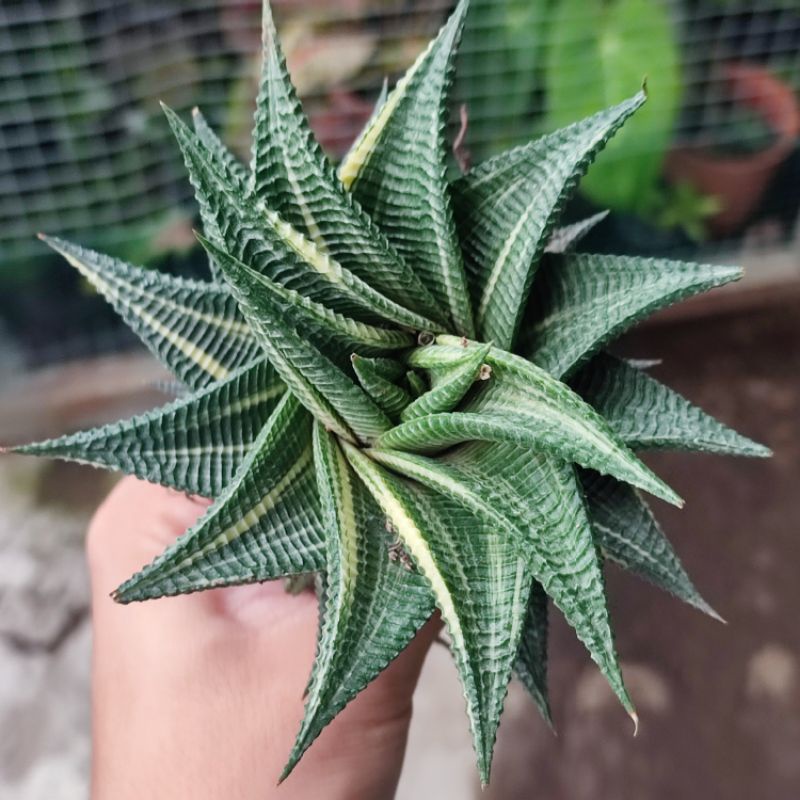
(85, 151)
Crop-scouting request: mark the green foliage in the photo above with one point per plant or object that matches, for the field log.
(345, 426)
(598, 49)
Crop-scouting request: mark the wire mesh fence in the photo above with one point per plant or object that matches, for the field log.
(85, 151)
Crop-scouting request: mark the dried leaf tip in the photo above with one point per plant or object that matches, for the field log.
(635, 717)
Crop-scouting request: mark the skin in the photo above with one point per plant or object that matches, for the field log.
(201, 695)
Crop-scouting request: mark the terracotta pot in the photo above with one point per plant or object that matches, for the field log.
(739, 181)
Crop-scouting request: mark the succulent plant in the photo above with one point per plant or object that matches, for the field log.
(398, 383)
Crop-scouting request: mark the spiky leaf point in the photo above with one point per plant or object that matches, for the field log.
(542, 495)
(626, 532)
(260, 237)
(371, 608)
(398, 172)
(266, 524)
(525, 406)
(449, 384)
(225, 163)
(387, 394)
(380, 102)
(584, 301)
(480, 584)
(193, 328)
(324, 389)
(646, 414)
(292, 177)
(531, 664)
(507, 207)
(563, 240)
(194, 444)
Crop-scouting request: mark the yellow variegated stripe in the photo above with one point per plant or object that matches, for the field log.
(254, 399)
(332, 271)
(307, 250)
(408, 531)
(255, 514)
(344, 509)
(195, 354)
(227, 326)
(414, 541)
(311, 224)
(496, 272)
(436, 475)
(362, 150)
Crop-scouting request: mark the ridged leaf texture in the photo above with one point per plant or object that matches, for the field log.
(402, 386)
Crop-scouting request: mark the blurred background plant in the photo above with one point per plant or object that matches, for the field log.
(85, 152)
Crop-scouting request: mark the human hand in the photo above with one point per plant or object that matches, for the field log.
(200, 696)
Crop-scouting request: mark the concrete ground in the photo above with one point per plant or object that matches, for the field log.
(719, 705)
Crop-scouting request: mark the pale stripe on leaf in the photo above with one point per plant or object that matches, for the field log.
(194, 444)
(647, 414)
(507, 207)
(264, 525)
(194, 328)
(370, 606)
(397, 171)
(480, 583)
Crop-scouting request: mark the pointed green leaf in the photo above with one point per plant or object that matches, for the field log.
(416, 383)
(194, 444)
(398, 172)
(334, 334)
(293, 178)
(524, 405)
(506, 209)
(327, 392)
(266, 524)
(264, 241)
(224, 160)
(380, 102)
(647, 414)
(389, 369)
(226, 164)
(491, 505)
(371, 606)
(564, 239)
(582, 302)
(548, 502)
(193, 328)
(626, 531)
(481, 588)
(531, 663)
(449, 385)
(388, 395)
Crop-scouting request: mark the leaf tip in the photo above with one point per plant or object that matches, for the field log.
(635, 719)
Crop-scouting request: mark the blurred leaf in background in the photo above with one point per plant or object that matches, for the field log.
(499, 71)
(599, 52)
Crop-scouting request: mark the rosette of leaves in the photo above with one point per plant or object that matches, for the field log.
(399, 384)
